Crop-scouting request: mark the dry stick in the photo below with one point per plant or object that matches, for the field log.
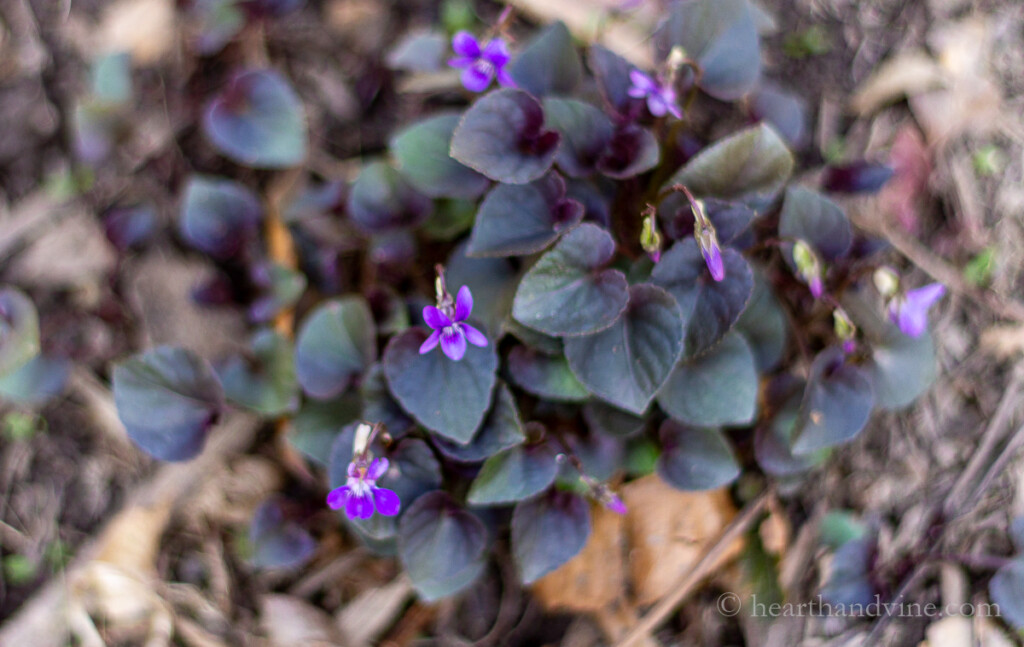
(707, 563)
(994, 432)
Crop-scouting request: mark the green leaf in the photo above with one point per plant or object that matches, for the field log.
(839, 527)
(585, 132)
(317, 424)
(335, 344)
(513, 475)
(751, 163)
(501, 430)
(716, 389)
(421, 151)
(520, 219)
(721, 35)
(266, 381)
(258, 121)
(383, 201)
(773, 441)
(627, 363)
(836, 406)
(695, 459)
(547, 532)
(36, 382)
(442, 546)
(449, 398)
(567, 292)
(710, 308)
(607, 420)
(19, 331)
(502, 135)
(545, 376)
(548, 64)
(812, 217)
(167, 398)
(763, 324)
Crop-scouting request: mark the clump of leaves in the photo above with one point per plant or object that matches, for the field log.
(559, 290)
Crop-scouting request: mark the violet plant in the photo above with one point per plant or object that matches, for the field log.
(623, 290)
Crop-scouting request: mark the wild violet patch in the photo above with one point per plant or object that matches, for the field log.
(544, 288)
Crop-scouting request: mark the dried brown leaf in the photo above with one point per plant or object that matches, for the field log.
(908, 74)
(290, 622)
(596, 577)
(145, 28)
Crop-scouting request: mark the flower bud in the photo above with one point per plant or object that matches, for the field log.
(844, 328)
(650, 238)
(887, 282)
(362, 439)
(808, 266)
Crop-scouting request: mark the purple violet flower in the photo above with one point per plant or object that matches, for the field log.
(712, 252)
(661, 99)
(479, 65)
(910, 311)
(360, 495)
(450, 329)
(615, 504)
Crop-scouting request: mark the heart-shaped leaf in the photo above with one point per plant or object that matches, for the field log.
(836, 405)
(547, 532)
(501, 430)
(784, 110)
(418, 51)
(607, 420)
(901, 367)
(763, 324)
(316, 425)
(710, 308)
(1006, 588)
(19, 331)
(218, 22)
(721, 36)
(695, 459)
(515, 474)
(753, 162)
(258, 121)
(612, 74)
(520, 219)
(631, 151)
(38, 380)
(277, 542)
(336, 343)
(493, 282)
(716, 389)
(379, 405)
(585, 132)
(548, 64)
(502, 135)
(601, 456)
(442, 546)
(382, 201)
(627, 363)
(447, 397)
(218, 216)
(546, 376)
(849, 579)
(773, 442)
(567, 292)
(167, 398)
(265, 381)
(423, 158)
(812, 217)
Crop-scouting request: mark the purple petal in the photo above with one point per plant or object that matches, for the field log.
(430, 342)
(496, 52)
(474, 336)
(656, 105)
(463, 304)
(642, 83)
(505, 80)
(926, 296)
(713, 259)
(477, 78)
(435, 318)
(912, 321)
(817, 288)
(338, 497)
(461, 61)
(388, 503)
(465, 44)
(616, 505)
(453, 344)
(353, 471)
(359, 507)
(377, 469)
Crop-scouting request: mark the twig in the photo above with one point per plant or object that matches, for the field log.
(707, 563)
(994, 432)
